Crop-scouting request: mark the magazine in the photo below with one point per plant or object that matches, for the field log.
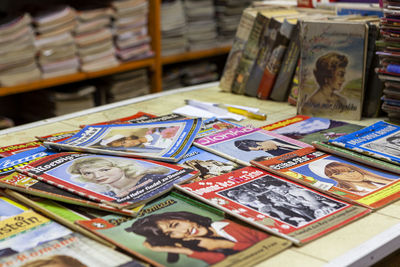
(168, 141)
(275, 204)
(206, 163)
(379, 140)
(215, 125)
(174, 231)
(247, 143)
(117, 181)
(339, 177)
(71, 250)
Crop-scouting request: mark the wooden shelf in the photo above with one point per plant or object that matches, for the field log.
(195, 55)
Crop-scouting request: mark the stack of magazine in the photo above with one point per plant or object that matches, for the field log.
(160, 187)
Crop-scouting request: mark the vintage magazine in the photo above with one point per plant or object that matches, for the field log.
(117, 181)
(206, 163)
(380, 140)
(71, 250)
(176, 231)
(308, 129)
(23, 229)
(246, 143)
(215, 125)
(275, 204)
(168, 141)
(332, 69)
(336, 176)
(10, 150)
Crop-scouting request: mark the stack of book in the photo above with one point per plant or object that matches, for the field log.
(173, 28)
(94, 38)
(17, 51)
(389, 63)
(54, 41)
(228, 13)
(201, 27)
(130, 29)
(126, 85)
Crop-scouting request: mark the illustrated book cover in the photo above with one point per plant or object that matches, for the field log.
(117, 181)
(167, 141)
(339, 177)
(176, 231)
(380, 140)
(331, 79)
(275, 204)
(309, 129)
(247, 143)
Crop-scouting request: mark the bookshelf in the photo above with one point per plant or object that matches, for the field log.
(154, 64)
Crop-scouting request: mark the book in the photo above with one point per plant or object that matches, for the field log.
(281, 88)
(168, 141)
(339, 177)
(274, 59)
(116, 181)
(309, 129)
(379, 140)
(163, 245)
(71, 250)
(247, 143)
(274, 204)
(334, 49)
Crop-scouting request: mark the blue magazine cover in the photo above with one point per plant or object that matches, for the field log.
(380, 140)
(167, 141)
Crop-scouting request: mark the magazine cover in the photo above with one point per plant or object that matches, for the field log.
(176, 231)
(23, 229)
(207, 164)
(117, 181)
(336, 176)
(215, 125)
(380, 140)
(332, 69)
(141, 117)
(275, 204)
(168, 141)
(10, 150)
(308, 129)
(246, 143)
(71, 250)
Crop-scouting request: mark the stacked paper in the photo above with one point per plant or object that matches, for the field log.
(54, 41)
(130, 29)
(17, 51)
(173, 28)
(201, 29)
(93, 38)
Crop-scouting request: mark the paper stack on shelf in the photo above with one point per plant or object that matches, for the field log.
(93, 38)
(54, 41)
(228, 14)
(17, 51)
(201, 29)
(130, 29)
(173, 28)
(126, 85)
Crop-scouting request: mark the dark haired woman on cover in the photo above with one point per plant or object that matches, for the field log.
(194, 235)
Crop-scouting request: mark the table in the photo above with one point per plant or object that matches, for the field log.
(361, 243)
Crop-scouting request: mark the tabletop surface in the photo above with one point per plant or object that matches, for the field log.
(358, 244)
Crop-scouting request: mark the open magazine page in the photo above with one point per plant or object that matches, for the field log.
(380, 140)
(206, 163)
(246, 143)
(168, 141)
(275, 204)
(71, 250)
(337, 176)
(118, 181)
(308, 129)
(174, 231)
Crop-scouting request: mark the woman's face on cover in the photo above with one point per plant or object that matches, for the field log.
(349, 175)
(337, 80)
(101, 173)
(181, 229)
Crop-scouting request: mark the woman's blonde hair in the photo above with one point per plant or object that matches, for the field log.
(55, 259)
